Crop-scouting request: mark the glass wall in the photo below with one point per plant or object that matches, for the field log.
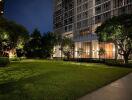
(91, 50)
(109, 50)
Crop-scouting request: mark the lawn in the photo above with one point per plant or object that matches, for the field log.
(54, 80)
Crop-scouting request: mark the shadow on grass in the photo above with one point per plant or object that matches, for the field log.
(7, 87)
(15, 90)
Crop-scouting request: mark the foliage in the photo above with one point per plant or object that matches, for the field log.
(4, 61)
(101, 51)
(119, 31)
(20, 52)
(67, 52)
(117, 63)
(36, 34)
(80, 51)
(15, 59)
(11, 35)
(49, 40)
(67, 47)
(40, 46)
(33, 48)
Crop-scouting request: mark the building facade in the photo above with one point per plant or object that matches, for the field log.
(80, 18)
(1, 7)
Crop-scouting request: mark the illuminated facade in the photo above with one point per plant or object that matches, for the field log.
(80, 18)
(1, 7)
(64, 16)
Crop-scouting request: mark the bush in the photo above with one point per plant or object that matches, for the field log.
(118, 63)
(4, 61)
(109, 62)
(15, 59)
(90, 60)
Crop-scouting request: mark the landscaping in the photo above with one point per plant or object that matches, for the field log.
(54, 80)
(4, 61)
(31, 66)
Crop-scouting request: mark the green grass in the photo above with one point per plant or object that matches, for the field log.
(52, 80)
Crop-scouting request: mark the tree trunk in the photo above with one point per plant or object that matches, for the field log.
(116, 52)
(126, 59)
(61, 50)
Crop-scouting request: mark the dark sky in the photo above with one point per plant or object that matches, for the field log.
(31, 13)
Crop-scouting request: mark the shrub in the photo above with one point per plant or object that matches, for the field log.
(4, 61)
(118, 63)
(90, 60)
(15, 59)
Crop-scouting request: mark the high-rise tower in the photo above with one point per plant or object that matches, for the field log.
(64, 16)
(80, 18)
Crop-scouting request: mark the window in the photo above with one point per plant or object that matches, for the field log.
(79, 25)
(85, 6)
(85, 14)
(79, 2)
(85, 23)
(97, 2)
(79, 17)
(98, 19)
(98, 10)
(106, 6)
(79, 9)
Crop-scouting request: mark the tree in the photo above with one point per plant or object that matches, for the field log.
(80, 51)
(101, 52)
(49, 41)
(36, 34)
(33, 48)
(67, 47)
(11, 36)
(119, 31)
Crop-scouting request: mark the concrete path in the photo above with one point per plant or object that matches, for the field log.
(118, 90)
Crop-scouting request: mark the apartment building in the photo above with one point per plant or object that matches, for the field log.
(80, 18)
(64, 16)
(1, 7)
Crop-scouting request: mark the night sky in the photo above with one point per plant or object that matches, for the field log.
(31, 13)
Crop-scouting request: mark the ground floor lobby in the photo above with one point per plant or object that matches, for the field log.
(91, 50)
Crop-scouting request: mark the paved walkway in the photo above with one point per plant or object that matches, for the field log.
(118, 90)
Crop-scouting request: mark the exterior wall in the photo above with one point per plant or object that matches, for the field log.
(1, 7)
(64, 16)
(109, 50)
(83, 50)
(89, 14)
(91, 50)
(86, 16)
(95, 49)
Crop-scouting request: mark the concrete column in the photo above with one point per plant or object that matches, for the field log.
(112, 7)
(76, 49)
(91, 50)
(94, 10)
(95, 49)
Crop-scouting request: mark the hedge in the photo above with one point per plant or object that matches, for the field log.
(4, 61)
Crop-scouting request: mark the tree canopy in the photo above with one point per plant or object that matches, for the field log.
(11, 35)
(118, 30)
